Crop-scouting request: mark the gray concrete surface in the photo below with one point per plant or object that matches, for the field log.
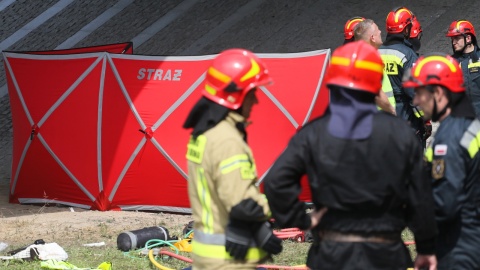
(263, 26)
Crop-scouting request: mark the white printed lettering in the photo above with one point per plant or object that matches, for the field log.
(168, 75)
(159, 74)
(178, 73)
(150, 71)
(141, 74)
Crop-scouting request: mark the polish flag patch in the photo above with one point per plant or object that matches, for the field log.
(440, 150)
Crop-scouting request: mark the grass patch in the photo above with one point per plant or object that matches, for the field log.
(293, 254)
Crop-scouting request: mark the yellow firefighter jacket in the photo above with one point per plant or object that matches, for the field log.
(222, 173)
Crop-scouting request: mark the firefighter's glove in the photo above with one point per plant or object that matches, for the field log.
(265, 239)
(238, 238)
(247, 210)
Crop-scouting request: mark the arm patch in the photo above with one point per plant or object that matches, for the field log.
(196, 148)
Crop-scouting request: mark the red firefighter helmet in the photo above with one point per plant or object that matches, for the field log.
(435, 70)
(460, 27)
(398, 20)
(232, 74)
(416, 31)
(350, 25)
(356, 65)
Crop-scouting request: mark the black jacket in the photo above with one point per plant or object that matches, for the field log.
(369, 186)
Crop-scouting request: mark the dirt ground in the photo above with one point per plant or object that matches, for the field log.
(21, 225)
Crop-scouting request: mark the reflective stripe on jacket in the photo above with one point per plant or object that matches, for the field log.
(213, 246)
(387, 88)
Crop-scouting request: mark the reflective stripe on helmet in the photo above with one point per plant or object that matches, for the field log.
(434, 58)
(210, 90)
(369, 66)
(399, 12)
(341, 61)
(354, 20)
(254, 70)
(219, 75)
(458, 25)
(362, 64)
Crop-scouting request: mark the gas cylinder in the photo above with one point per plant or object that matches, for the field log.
(136, 239)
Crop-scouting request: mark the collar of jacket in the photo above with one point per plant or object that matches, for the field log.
(394, 39)
(239, 122)
(408, 43)
(204, 115)
(475, 51)
(461, 55)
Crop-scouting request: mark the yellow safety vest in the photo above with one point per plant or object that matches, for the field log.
(387, 88)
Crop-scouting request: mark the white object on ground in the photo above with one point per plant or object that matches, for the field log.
(99, 244)
(43, 252)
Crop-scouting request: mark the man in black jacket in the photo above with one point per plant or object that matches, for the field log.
(453, 159)
(365, 167)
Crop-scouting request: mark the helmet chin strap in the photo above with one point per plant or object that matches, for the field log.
(437, 115)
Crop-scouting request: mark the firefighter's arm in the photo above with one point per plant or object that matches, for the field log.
(382, 101)
(282, 185)
(247, 207)
(235, 182)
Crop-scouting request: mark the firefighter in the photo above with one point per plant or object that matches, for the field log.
(466, 51)
(229, 212)
(368, 31)
(398, 55)
(453, 159)
(348, 29)
(371, 194)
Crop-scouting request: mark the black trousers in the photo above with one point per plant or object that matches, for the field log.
(329, 255)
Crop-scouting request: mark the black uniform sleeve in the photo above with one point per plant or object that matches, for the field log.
(408, 65)
(420, 204)
(282, 185)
